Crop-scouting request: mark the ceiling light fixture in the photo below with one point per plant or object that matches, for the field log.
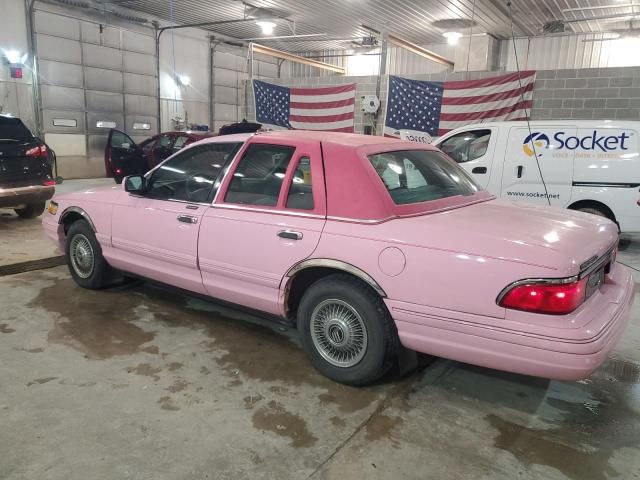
(184, 80)
(13, 57)
(452, 37)
(267, 27)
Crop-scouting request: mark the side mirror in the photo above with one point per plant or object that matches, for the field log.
(134, 184)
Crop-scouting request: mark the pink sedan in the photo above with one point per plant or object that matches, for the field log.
(367, 244)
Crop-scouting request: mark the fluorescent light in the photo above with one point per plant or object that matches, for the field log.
(13, 56)
(267, 27)
(452, 37)
(185, 80)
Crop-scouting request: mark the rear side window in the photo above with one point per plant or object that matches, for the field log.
(467, 146)
(300, 195)
(414, 176)
(13, 130)
(258, 178)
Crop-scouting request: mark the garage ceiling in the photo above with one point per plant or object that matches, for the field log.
(412, 19)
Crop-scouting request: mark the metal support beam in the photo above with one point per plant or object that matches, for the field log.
(423, 52)
(272, 52)
(35, 75)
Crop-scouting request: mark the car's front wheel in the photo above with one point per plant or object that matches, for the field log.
(346, 330)
(88, 267)
(32, 210)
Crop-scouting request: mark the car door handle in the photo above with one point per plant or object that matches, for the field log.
(520, 169)
(479, 170)
(187, 218)
(290, 234)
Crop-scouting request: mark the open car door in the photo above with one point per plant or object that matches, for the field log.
(122, 156)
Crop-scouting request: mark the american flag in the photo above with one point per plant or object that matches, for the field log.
(436, 108)
(319, 108)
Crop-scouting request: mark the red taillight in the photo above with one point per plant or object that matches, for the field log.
(39, 151)
(118, 171)
(48, 182)
(555, 299)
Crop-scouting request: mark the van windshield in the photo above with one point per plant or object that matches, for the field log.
(414, 176)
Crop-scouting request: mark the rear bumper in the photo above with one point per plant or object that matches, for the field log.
(556, 358)
(17, 196)
(53, 230)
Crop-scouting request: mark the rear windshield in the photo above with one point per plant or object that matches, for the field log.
(13, 130)
(414, 176)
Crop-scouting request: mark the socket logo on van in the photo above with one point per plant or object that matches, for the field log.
(592, 142)
(538, 139)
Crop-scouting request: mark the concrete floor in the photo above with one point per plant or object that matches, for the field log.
(136, 382)
(22, 240)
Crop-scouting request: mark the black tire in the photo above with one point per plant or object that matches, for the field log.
(381, 342)
(32, 210)
(118, 180)
(594, 211)
(95, 274)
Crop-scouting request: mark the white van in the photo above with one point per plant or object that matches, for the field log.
(590, 165)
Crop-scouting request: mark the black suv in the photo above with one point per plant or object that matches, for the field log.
(26, 181)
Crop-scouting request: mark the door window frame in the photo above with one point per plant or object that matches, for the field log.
(216, 186)
(490, 143)
(302, 149)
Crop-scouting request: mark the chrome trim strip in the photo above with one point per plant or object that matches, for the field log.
(84, 214)
(605, 184)
(359, 220)
(228, 206)
(586, 269)
(338, 265)
(535, 281)
(8, 192)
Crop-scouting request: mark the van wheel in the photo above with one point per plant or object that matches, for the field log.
(86, 264)
(118, 180)
(347, 331)
(32, 210)
(593, 211)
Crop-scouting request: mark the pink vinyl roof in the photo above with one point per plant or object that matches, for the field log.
(354, 189)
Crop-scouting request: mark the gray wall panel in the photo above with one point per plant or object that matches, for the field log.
(106, 80)
(140, 84)
(105, 57)
(97, 144)
(60, 49)
(226, 77)
(49, 116)
(62, 98)
(137, 42)
(130, 120)
(94, 118)
(140, 105)
(57, 25)
(110, 36)
(57, 73)
(104, 101)
(140, 63)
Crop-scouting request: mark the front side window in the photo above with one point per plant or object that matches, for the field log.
(258, 178)
(191, 175)
(414, 176)
(467, 146)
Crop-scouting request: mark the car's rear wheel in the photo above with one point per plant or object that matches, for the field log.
(118, 180)
(346, 330)
(86, 264)
(32, 210)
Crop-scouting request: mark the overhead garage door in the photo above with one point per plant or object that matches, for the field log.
(93, 77)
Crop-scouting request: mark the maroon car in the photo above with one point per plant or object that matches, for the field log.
(123, 157)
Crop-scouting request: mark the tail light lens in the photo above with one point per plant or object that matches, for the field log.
(38, 152)
(48, 182)
(550, 298)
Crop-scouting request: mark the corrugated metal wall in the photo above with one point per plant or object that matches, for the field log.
(570, 51)
(94, 77)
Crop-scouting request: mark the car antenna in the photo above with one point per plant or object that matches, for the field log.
(527, 113)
